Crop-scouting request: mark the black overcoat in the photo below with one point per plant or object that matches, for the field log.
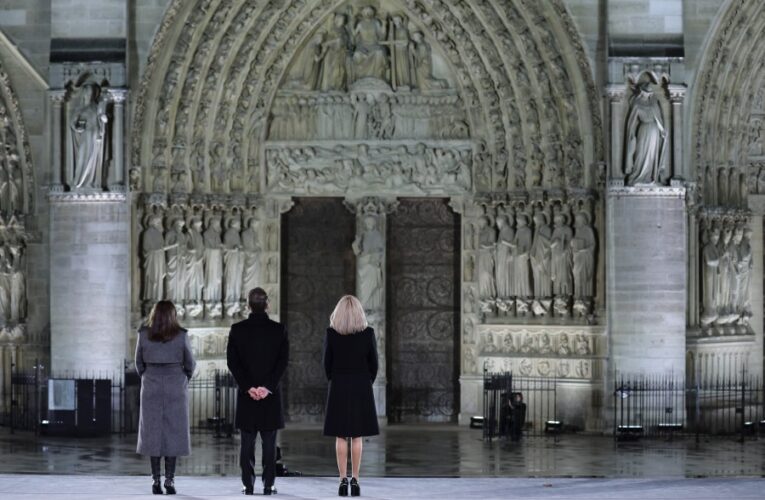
(350, 362)
(257, 355)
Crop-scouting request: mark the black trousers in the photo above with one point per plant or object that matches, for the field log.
(247, 458)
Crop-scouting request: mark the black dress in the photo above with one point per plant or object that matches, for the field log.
(350, 362)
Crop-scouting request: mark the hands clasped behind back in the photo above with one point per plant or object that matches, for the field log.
(258, 393)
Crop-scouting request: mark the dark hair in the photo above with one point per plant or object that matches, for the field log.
(163, 322)
(258, 300)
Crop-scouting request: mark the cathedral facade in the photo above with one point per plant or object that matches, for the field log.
(562, 189)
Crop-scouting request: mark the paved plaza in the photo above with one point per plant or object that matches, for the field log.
(403, 462)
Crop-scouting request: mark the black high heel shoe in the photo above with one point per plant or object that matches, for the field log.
(355, 488)
(170, 487)
(156, 487)
(343, 489)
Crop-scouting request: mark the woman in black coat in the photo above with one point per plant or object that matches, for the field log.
(350, 361)
(164, 361)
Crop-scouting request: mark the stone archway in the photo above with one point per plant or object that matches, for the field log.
(233, 119)
(728, 161)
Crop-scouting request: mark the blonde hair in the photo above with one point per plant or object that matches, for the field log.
(348, 316)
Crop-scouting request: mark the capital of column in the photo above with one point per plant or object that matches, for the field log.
(57, 97)
(371, 205)
(118, 96)
(616, 93)
(677, 93)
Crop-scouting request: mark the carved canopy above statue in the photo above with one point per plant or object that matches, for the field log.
(243, 96)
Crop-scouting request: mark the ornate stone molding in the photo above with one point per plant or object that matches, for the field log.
(616, 189)
(86, 197)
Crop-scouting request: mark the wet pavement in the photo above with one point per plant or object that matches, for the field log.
(404, 451)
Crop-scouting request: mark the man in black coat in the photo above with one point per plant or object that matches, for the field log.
(257, 357)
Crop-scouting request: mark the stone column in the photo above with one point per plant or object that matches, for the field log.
(57, 99)
(646, 279)
(371, 214)
(116, 174)
(756, 294)
(616, 108)
(677, 97)
(271, 238)
(471, 378)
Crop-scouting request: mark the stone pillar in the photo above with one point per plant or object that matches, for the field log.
(371, 214)
(89, 281)
(756, 294)
(116, 174)
(57, 99)
(471, 378)
(677, 97)
(271, 243)
(647, 254)
(616, 108)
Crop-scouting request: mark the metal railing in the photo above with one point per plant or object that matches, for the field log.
(60, 403)
(666, 406)
(515, 406)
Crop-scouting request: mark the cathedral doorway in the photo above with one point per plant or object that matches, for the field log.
(319, 267)
(423, 311)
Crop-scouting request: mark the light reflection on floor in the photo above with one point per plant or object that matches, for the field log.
(404, 451)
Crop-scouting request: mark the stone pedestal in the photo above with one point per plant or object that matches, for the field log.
(646, 270)
(89, 282)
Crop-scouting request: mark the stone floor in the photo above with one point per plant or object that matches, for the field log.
(404, 451)
(26, 487)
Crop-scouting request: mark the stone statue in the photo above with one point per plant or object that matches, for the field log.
(583, 252)
(251, 248)
(195, 261)
(309, 64)
(521, 249)
(5, 284)
(560, 257)
(153, 250)
(564, 348)
(401, 69)
(362, 105)
(422, 64)
(725, 275)
(88, 127)
(545, 344)
(504, 262)
(369, 248)
(213, 291)
(646, 141)
(175, 279)
(744, 266)
(541, 256)
(487, 239)
(582, 345)
(233, 264)
(334, 63)
(710, 256)
(11, 184)
(18, 282)
(370, 57)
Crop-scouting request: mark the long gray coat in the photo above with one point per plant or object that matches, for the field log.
(165, 369)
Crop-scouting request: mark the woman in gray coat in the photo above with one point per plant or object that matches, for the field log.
(164, 361)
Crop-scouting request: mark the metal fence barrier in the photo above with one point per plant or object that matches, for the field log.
(92, 403)
(519, 406)
(666, 406)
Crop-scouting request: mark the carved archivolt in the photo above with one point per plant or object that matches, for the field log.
(15, 203)
(729, 108)
(222, 75)
(16, 178)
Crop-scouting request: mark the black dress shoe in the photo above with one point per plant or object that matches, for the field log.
(156, 487)
(247, 491)
(169, 487)
(343, 490)
(269, 490)
(355, 488)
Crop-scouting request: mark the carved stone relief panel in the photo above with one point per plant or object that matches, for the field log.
(533, 259)
(542, 351)
(202, 253)
(726, 266)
